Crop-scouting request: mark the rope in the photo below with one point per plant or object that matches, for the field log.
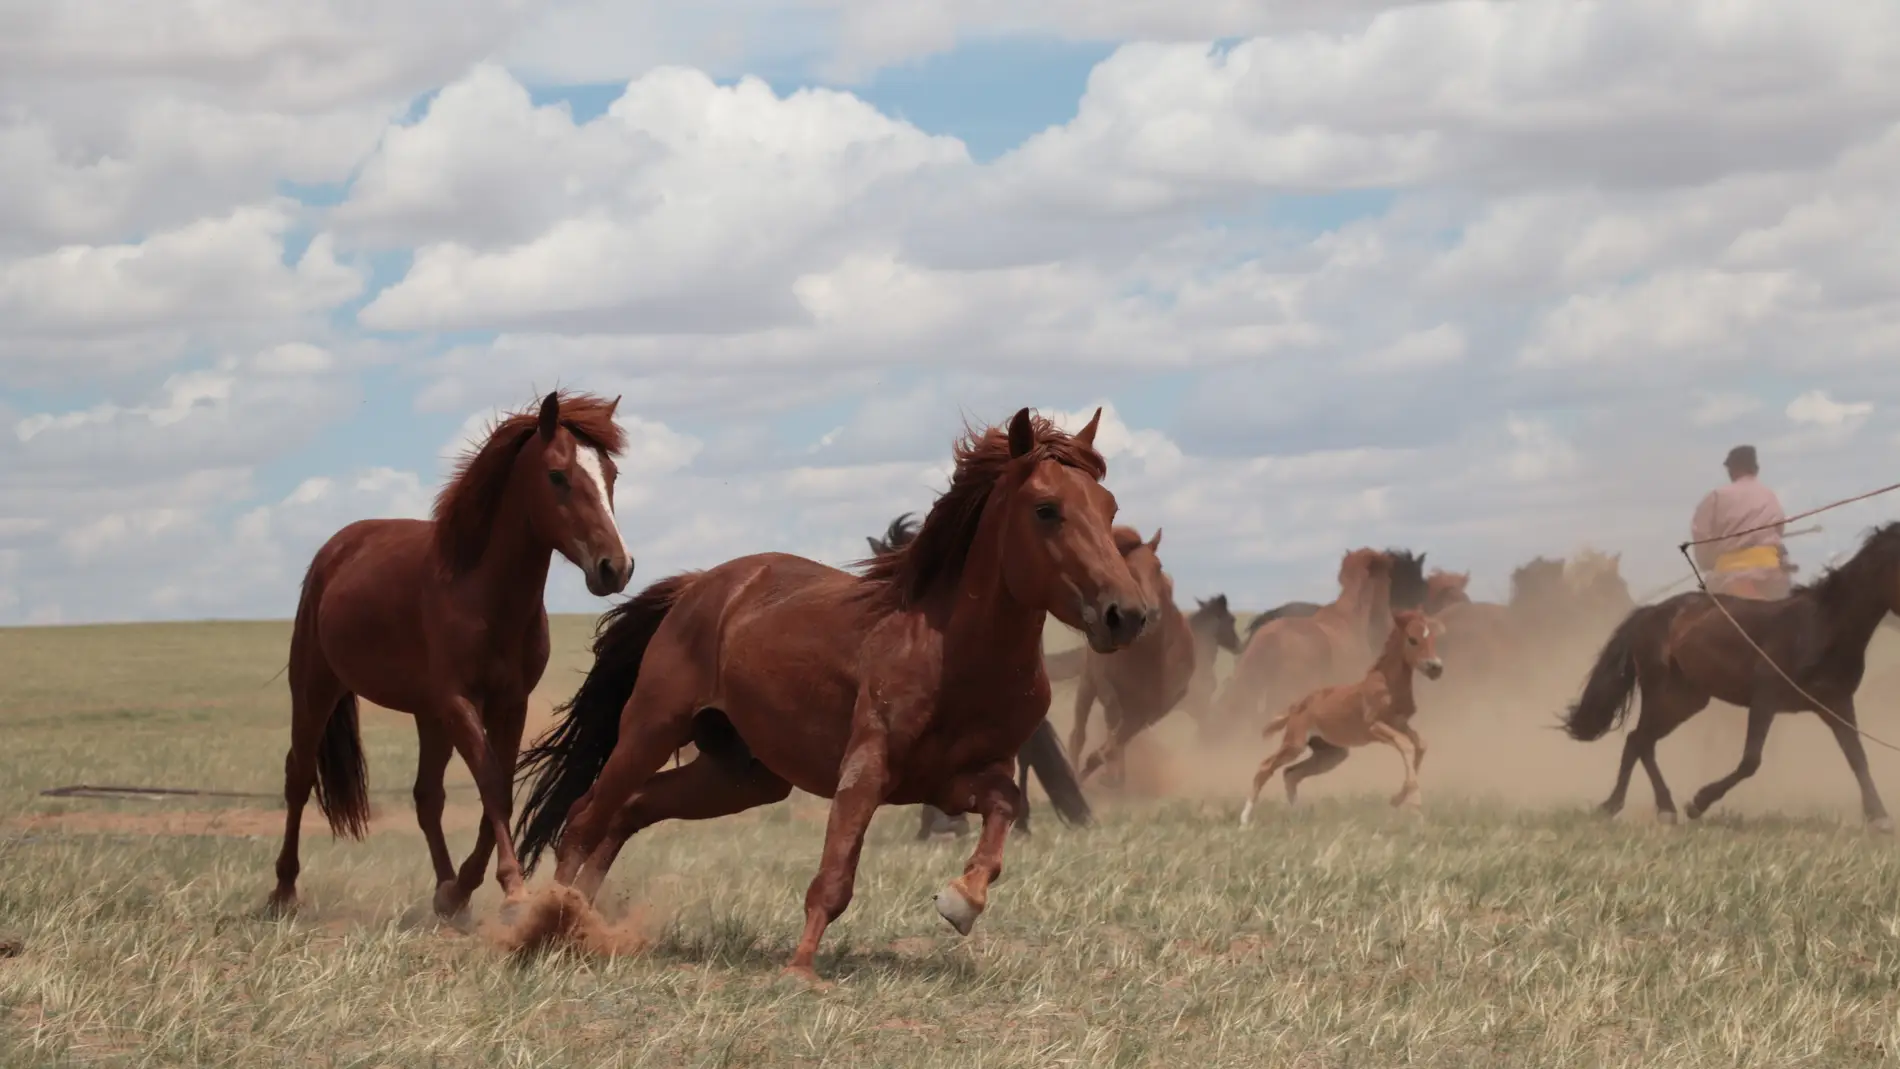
(1746, 637)
(1673, 584)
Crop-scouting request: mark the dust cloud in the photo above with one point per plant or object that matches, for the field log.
(1494, 739)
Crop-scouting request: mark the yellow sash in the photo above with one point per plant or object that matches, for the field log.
(1741, 560)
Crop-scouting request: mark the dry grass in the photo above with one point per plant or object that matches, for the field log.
(1487, 932)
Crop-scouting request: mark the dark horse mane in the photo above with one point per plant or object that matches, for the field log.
(941, 545)
(464, 512)
(1858, 579)
(898, 534)
(1409, 591)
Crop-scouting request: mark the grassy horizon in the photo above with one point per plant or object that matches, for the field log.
(1483, 932)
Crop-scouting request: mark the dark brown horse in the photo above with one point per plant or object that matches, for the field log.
(1682, 652)
(1143, 683)
(1041, 754)
(918, 681)
(444, 619)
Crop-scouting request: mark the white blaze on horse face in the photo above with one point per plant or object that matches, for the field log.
(588, 458)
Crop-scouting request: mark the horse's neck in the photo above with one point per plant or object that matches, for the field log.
(985, 627)
(1397, 674)
(512, 576)
(1206, 642)
(1369, 604)
(1854, 628)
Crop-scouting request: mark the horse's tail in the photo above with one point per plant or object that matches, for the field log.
(342, 773)
(1610, 689)
(342, 786)
(1043, 754)
(1064, 665)
(564, 763)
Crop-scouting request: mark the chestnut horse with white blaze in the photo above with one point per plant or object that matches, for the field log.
(917, 681)
(444, 619)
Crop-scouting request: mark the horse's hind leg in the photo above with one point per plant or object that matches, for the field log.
(1848, 736)
(707, 788)
(314, 694)
(663, 707)
(1278, 760)
(433, 751)
(1324, 759)
(1760, 716)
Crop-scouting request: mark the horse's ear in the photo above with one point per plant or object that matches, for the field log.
(1087, 435)
(613, 406)
(875, 548)
(550, 416)
(1221, 600)
(1022, 434)
(1155, 542)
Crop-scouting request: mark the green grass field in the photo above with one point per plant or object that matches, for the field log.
(1504, 926)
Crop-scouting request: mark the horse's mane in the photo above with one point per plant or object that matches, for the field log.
(941, 546)
(901, 530)
(1408, 578)
(464, 512)
(1855, 579)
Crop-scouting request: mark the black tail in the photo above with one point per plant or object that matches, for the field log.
(1043, 754)
(1610, 689)
(565, 762)
(1066, 664)
(1291, 608)
(342, 774)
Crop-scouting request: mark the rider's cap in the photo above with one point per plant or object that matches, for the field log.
(1741, 457)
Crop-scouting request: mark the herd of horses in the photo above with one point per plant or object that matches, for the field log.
(920, 678)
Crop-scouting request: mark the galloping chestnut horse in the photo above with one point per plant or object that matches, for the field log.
(1143, 683)
(917, 681)
(1682, 652)
(1042, 753)
(1296, 654)
(1378, 708)
(443, 619)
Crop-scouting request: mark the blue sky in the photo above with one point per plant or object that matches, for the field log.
(1333, 290)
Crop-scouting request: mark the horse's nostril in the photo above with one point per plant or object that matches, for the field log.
(606, 570)
(1114, 617)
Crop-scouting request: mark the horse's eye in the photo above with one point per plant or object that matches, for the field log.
(1047, 512)
(558, 478)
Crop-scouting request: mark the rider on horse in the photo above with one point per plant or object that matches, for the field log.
(1749, 565)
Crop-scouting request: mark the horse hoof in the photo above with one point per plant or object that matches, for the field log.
(1246, 814)
(279, 906)
(1881, 825)
(958, 910)
(510, 911)
(1666, 816)
(448, 900)
(1693, 811)
(806, 976)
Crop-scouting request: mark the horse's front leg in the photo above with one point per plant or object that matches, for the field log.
(864, 781)
(992, 793)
